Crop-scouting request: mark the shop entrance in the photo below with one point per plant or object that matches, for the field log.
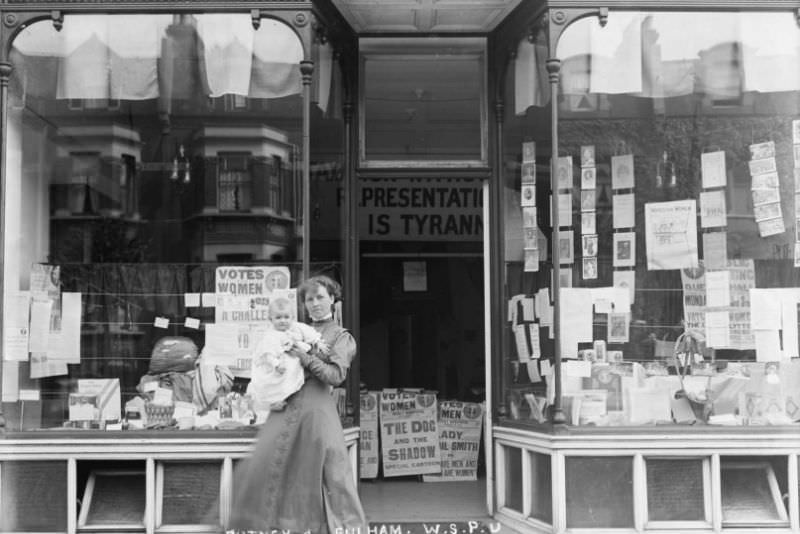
(422, 327)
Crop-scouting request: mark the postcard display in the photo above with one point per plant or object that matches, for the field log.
(721, 303)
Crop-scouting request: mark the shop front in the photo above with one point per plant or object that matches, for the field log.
(575, 224)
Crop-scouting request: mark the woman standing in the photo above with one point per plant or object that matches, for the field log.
(299, 476)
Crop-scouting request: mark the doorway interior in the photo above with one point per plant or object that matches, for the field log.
(422, 326)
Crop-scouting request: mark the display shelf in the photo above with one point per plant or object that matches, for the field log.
(667, 479)
(161, 476)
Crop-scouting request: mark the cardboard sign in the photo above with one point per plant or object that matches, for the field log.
(460, 425)
(368, 449)
(409, 434)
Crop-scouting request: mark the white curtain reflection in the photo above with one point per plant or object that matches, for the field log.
(138, 57)
(660, 55)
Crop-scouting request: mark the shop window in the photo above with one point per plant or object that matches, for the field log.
(423, 101)
(599, 492)
(512, 468)
(541, 487)
(119, 226)
(678, 490)
(754, 491)
(677, 230)
(33, 497)
(188, 493)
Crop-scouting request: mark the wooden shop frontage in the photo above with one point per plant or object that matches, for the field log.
(566, 231)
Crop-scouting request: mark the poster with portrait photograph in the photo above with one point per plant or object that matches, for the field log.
(589, 245)
(590, 268)
(529, 151)
(626, 280)
(588, 222)
(618, 327)
(588, 178)
(529, 173)
(566, 247)
(528, 195)
(587, 156)
(565, 172)
(625, 249)
(622, 172)
(589, 200)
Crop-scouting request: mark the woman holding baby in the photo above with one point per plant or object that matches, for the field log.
(299, 476)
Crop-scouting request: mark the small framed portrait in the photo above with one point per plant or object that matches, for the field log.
(566, 247)
(531, 260)
(589, 178)
(528, 173)
(588, 222)
(625, 249)
(590, 268)
(615, 356)
(528, 151)
(565, 172)
(588, 200)
(528, 195)
(529, 217)
(618, 324)
(530, 238)
(587, 355)
(587, 155)
(589, 245)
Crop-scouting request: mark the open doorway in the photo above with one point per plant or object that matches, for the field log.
(422, 327)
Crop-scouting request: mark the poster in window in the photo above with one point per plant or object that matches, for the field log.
(589, 222)
(626, 280)
(712, 168)
(528, 195)
(589, 200)
(712, 209)
(589, 245)
(590, 268)
(762, 166)
(622, 172)
(625, 249)
(565, 172)
(618, 325)
(565, 247)
(415, 276)
(671, 234)
(587, 156)
(529, 173)
(624, 211)
(762, 150)
(588, 178)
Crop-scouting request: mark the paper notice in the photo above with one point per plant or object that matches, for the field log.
(10, 391)
(715, 250)
(622, 176)
(626, 280)
(566, 247)
(762, 150)
(765, 309)
(610, 299)
(768, 346)
(717, 329)
(712, 209)
(577, 368)
(40, 325)
(528, 313)
(191, 300)
(528, 151)
(209, 300)
(191, 322)
(66, 344)
(42, 365)
(624, 211)
(17, 317)
(671, 234)
(576, 319)
(789, 302)
(713, 169)
(762, 166)
(618, 327)
(770, 227)
(161, 322)
(718, 289)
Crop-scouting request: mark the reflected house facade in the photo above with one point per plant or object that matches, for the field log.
(623, 341)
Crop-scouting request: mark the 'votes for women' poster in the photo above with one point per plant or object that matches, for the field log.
(460, 426)
(671, 234)
(368, 448)
(409, 435)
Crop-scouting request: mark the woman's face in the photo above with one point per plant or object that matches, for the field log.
(318, 303)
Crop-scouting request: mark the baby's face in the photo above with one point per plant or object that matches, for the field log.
(280, 319)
